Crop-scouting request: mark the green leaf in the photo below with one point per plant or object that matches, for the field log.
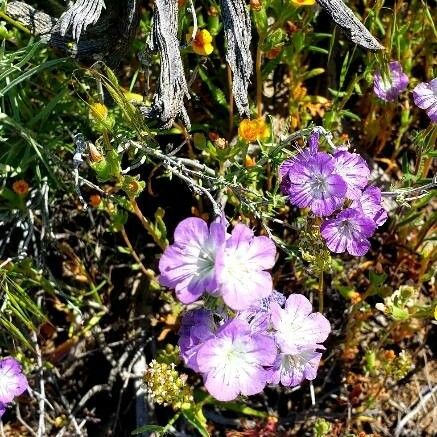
(217, 93)
(108, 168)
(241, 408)
(31, 72)
(196, 418)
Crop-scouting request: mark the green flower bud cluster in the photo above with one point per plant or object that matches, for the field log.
(167, 387)
(400, 366)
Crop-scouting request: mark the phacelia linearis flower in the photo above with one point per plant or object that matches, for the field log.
(389, 88)
(241, 268)
(188, 265)
(12, 382)
(312, 182)
(234, 361)
(425, 97)
(348, 232)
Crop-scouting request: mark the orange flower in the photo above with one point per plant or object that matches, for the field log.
(20, 187)
(202, 43)
(303, 2)
(95, 200)
(253, 130)
(249, 161)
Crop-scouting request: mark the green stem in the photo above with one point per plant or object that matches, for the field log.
(14, 23)
(147, 225)
(321, 287)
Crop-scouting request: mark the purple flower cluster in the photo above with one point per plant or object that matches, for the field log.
(261, 345)
(389, 88)
(324, 183)
(206, 259)
(252, 340)
(12, 382)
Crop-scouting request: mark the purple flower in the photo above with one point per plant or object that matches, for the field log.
(313, 183)
(349, 231)
(12, 381)
(197, 326)
(291, 369)
(425, 97)
(234, 361)
(188, 265)
(2, 409)
(299, 334)
(241, 268)
(370, 204)
(354, 171)
(388, 89)
(297, 327)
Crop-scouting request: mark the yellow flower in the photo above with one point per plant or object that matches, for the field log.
(99, 111)
(202, 43)
(253, 130)
(303, 2)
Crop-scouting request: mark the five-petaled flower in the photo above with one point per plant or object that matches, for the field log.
(348, 232)
(235, 360)
(312, 182)
(241, 268)
(188, 265)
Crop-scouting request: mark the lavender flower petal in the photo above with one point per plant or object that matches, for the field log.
(197, 326)
(12, 381)
(370, 204)
(354, 171)
(425, 97)
(241, 268)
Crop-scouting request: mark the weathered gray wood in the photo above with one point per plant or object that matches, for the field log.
(79, 16)
(168, 102)
(108, 39)
(236, 21)
(350, 24)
